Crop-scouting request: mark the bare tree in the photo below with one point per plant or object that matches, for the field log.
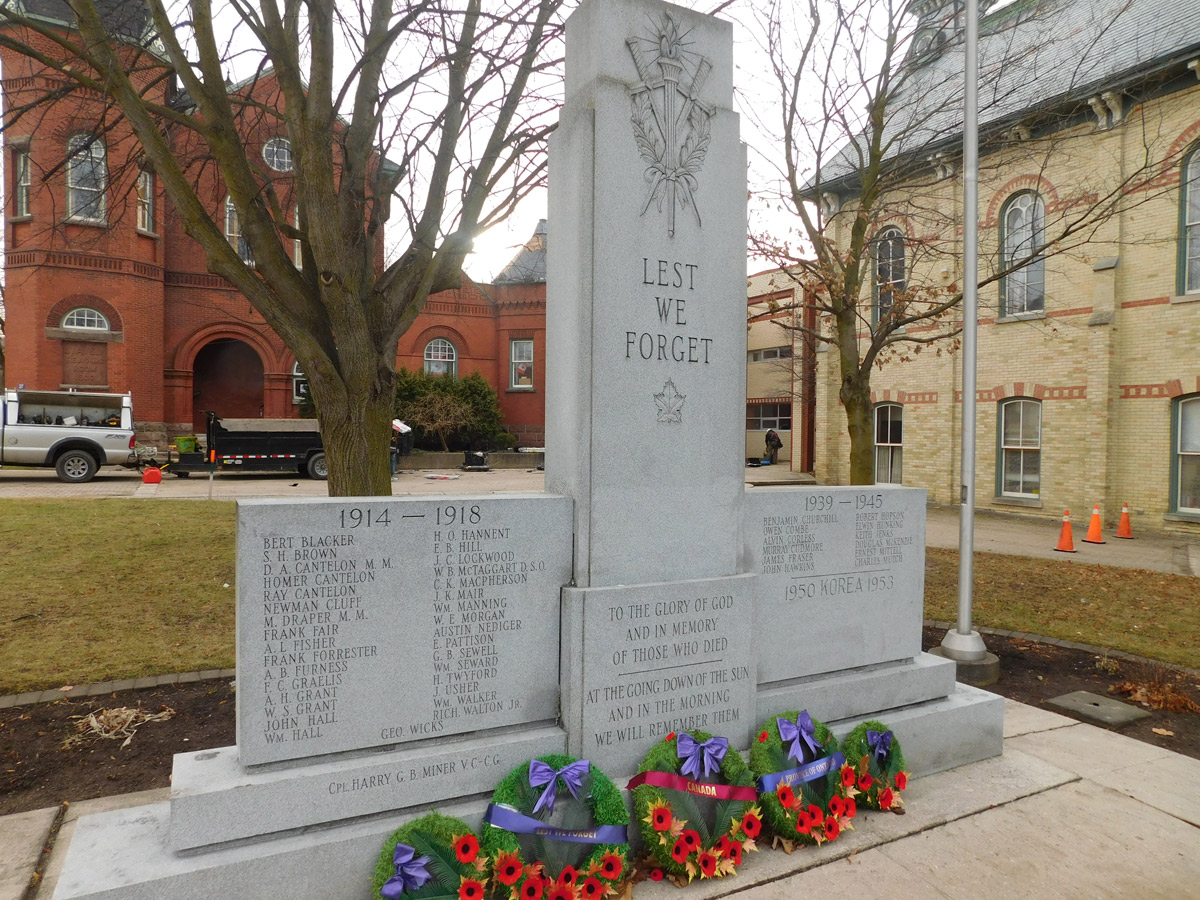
(869, 140)
(438, 108)
(439, 413)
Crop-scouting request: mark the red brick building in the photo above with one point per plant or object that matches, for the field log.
(105, 291)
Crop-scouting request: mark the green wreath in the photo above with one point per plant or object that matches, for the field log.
(879, 776)
(553, 868)
(675, 832)
(801, 812)
(434, 857)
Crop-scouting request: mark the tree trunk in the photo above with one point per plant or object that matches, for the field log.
(856, 398)
(357, 439)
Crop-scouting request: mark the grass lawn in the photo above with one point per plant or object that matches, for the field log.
(97, 590)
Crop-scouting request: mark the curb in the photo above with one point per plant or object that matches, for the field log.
(108, 687)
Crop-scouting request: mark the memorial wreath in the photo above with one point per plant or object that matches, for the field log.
(798, 767)
(557, 828)
(876, 765)
(680, 839)
(434, 857)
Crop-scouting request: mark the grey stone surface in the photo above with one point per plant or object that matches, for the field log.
(841, 574)
(658, 658)
(21, 840)
(378, 622)
(979, 672)
(1022, 719)
(645, 379)
(213, 800)
(1097, 709)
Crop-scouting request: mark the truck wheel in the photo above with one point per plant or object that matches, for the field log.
(181, 474)
(317, 468)
(76, 466)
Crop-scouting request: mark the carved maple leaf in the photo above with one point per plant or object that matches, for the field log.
(670, 404)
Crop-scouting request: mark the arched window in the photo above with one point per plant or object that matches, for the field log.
(84, 318)
(1189, 224)
(441, 358)
(889, 443)
(1185, 462)
(1022, 233)
(889, 270)
(1020, 459)
(233, 233)
(87, 178)
(277, 153)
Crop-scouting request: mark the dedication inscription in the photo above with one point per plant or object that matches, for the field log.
(841, 574)
(376, 622)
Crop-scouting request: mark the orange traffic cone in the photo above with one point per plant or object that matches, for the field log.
(1124, 529)
(1065, 543)
(1094, 536)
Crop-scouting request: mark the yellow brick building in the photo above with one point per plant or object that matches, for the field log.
(1088, 357)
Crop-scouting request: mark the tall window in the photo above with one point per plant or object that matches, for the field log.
(297, 244)
(520, 365)
(761, 416)
(145, 201)
(299, 384)
(22, 182)
(1020, 448)
(441, 358)
(233, 233)
(889, 270)
(87, 178)
(84, 318)
(1022, 233)
(1186, 464)
(1189, 225)
(889, 443)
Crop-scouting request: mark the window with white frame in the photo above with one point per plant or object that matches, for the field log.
(520, 365)
(769, 353)
(889, 443)
(233, 233)
(277, 153)
(1020, 469)
(890, 279)
(441, 358)
(87, 178)
(297, 248)
(1186, 463)
(761, 416)
(1189, 224)
(22, 182)
(84, 318)
(1022, 233)
(145, 201)
(299, 384)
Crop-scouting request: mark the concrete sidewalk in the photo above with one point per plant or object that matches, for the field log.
(1068, 811)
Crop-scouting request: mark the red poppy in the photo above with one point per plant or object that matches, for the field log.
(680, 851)
(851, 808)
(708, 865)
(837, 806)
(691, 839)
(803, 823)
(832, 828)
(661, 818)
(816, 814)
(568, 876)
(612, 866)
(656, 874)
(847, 776)
(721, 847)
(592, 889)
(466, 848)
(865, 781)
(508, 868)
(671, 736)
(886, 798)
(470, 889)
(735, 852)
(532, 888)
(786, 796)
(751, 825)
(901, 781)
(562, 892)
(762, 738)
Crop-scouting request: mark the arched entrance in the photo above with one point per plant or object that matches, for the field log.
(227, 377)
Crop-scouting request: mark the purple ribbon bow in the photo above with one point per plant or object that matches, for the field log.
(802, 734)
(572, 775)
(410, 873)
(880, 743)
(694, 754)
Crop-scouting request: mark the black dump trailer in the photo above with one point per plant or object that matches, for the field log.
(255, 445)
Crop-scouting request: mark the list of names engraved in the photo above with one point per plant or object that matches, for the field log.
(372, 623)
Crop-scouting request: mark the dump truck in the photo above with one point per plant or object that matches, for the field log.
(72, 432)
(253, 445)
